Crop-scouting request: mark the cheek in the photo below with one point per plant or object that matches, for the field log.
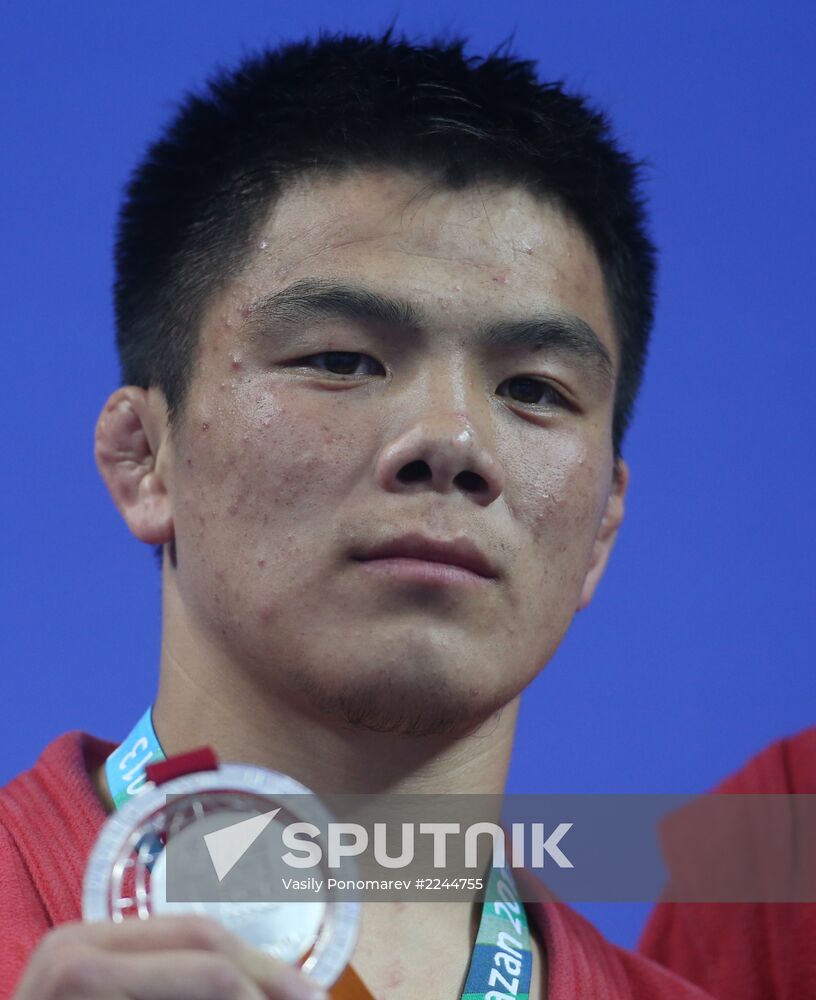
(260, 463)
(555, 498)
(562, 501)
(255, 507)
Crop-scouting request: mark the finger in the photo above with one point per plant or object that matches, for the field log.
(185, 932)
(159, 933)
(91, 974)
(195, 975)
(279, 979)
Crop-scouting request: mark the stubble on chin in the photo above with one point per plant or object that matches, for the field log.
(422, 704)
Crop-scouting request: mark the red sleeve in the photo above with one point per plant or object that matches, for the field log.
(739, 951)
(23, 919)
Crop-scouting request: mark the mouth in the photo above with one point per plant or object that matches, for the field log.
(421, 559)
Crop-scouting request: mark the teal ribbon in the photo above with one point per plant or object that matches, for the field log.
(125, 767)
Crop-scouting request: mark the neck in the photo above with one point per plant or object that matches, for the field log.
(225, 709)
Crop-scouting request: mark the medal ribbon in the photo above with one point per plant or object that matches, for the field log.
(501, 964)
(125, 768)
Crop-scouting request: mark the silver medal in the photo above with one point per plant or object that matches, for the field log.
(182, 848)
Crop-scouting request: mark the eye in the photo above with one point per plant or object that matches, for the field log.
(339, 362)
(535, 392)
(529, 391)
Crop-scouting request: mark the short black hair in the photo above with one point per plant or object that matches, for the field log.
(194, 204)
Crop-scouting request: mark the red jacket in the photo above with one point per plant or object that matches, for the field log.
(741, 951)
(50, 817)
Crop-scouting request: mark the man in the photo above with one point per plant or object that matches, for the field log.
(382, 314)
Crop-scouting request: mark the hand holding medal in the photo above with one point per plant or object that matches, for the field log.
(136, 942)
(189, 958)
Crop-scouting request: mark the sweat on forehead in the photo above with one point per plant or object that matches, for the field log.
(490, 224)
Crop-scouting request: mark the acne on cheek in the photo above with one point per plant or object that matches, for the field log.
(308, 447)
(259, 472)
(333, 437)
(567, 505)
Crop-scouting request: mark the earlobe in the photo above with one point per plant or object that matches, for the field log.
(607, 532)
(128, 440)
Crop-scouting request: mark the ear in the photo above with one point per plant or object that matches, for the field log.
(607, 532)
(130, 441)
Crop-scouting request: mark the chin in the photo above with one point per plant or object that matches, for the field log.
(410, 706)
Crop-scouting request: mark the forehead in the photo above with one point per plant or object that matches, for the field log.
(492, 250)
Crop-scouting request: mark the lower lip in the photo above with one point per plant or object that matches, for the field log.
(422, 571)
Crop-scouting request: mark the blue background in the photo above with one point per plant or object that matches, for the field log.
(698, 648)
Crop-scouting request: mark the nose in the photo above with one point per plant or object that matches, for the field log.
(444, 453)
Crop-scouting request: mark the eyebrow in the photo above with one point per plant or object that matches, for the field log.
(310, 300)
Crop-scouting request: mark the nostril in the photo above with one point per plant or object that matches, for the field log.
(471, 481)
(414, 472)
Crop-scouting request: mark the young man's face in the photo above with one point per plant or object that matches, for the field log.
(282, 474)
